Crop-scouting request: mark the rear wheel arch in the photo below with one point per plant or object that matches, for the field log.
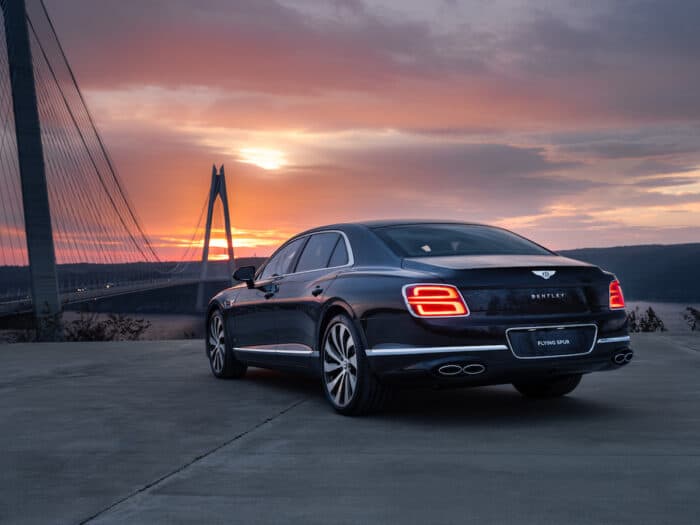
(332, 309)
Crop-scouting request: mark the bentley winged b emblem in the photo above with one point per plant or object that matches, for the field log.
(545, 274)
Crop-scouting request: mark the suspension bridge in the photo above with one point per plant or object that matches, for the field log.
(69, 232)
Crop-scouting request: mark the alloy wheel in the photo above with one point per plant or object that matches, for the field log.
(217, 344)
(340, 364)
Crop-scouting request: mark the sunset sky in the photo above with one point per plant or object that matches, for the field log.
(573, 125)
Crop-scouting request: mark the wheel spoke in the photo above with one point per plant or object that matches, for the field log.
(330, 367)
(334, 340)
(344, 336)
(330, 352)
(353, 381)
(352, 357)
(348, 390)
(338, 392)
(332, 384)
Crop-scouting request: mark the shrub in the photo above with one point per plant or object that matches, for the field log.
(692, 317)
(648, 321)
(116, 327)
(633, 320)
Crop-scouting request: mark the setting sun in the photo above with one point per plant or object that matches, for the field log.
(267, 159)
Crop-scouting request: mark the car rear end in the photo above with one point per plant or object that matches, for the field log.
(490, 319)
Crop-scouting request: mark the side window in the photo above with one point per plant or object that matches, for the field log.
(317, 251)
(281, 262)
(339, 257)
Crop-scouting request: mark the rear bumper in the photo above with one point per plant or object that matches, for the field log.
(478, 365)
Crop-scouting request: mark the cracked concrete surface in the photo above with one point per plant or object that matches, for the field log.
(141, 433)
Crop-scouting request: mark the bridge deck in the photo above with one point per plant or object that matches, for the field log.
(140, 433)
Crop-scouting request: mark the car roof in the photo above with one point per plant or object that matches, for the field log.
(381, 223)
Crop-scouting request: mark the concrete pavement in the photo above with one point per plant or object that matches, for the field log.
(141, 433)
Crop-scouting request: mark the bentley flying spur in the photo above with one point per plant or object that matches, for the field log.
(370, 305)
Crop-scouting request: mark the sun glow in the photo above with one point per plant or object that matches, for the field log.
(267, 159)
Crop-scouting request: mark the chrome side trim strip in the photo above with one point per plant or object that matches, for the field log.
(288, 349)
(412, 350)
(621, 339)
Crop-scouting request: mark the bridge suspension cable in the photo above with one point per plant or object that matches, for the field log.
(99, 240)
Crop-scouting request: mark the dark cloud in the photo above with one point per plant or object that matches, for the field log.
(473, 181)
(635, 61)
(663, 182)
(655, 167)
(628, 150)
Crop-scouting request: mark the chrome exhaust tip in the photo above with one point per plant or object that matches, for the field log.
(454, 369)
(623, 358)
(474, 369)
(450, 370)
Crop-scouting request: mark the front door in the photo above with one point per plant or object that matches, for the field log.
(252, 318)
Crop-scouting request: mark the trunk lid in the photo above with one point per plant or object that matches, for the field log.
(521, 285)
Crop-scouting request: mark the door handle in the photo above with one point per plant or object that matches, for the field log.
(270, 290)
(317, 291)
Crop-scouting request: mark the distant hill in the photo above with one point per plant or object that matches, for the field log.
(652, 272)
(662, 273)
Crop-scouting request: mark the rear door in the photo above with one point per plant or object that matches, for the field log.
(300, 295)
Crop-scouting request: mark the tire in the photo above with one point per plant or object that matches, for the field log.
(544, 389)
(346, 379)
(222, 362)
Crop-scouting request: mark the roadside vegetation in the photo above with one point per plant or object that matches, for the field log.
(116, 327)
(646, 321)
(88, 327)
(692, 317)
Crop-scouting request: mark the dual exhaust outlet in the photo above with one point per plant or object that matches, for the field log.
(622, 358)
(455, 369)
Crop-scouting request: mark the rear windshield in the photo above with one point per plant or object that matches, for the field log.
(439, 240)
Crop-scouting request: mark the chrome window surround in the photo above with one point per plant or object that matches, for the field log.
(348, 247)
(553, 327)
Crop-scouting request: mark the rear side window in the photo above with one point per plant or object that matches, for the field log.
(317, 251)
(439, 240)
(281, 262)
(339, 257)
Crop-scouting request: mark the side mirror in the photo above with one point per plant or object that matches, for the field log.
(245, 274)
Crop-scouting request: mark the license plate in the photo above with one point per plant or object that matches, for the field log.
(551, 341)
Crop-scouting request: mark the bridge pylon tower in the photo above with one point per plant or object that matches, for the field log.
(30, 154)
(216, 190)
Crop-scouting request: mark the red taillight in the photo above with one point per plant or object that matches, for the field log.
(435, 300)
(617, 300)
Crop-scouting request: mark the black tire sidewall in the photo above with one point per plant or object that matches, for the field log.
(552, 388)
